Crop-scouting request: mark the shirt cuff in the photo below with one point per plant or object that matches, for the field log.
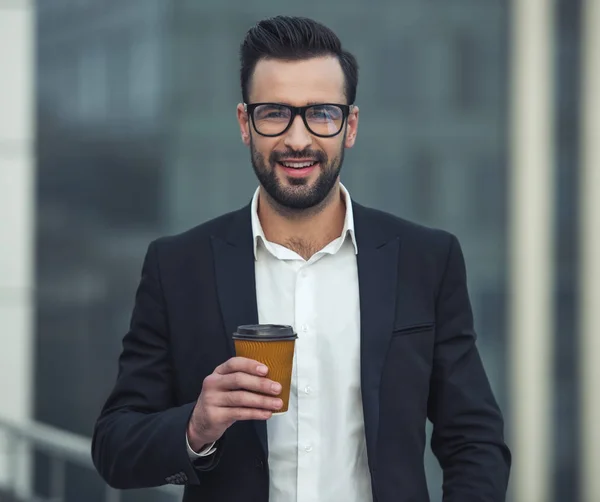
(204, 452)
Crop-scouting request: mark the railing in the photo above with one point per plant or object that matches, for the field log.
(62, 448)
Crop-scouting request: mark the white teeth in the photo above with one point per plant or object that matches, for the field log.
(297, 165)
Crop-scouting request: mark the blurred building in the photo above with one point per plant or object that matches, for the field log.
(136, 137)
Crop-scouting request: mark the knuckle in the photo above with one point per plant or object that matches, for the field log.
(212, 416)
(253, 401)
(210, 399)
(230, 399)
(210, 381)
(240, 414)
(238, 379)
(245, 399)
(226, 367)
(259, 401)
(233, 363)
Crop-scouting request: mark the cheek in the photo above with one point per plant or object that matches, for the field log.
(333, 150)
(263, 146)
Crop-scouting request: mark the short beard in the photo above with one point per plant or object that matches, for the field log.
(301, 199)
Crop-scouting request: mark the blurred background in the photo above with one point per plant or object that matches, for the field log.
(117, 125)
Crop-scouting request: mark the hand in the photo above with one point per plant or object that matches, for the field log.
(236, 390)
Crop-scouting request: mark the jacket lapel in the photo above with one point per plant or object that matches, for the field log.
(377, 260)
(236, 286)
(378, 279)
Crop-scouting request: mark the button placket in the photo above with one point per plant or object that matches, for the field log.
(307, 414)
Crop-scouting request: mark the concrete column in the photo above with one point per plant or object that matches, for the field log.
(531, 250)
(17, 198)
(589, 238)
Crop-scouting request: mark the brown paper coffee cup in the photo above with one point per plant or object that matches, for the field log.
(273, 346)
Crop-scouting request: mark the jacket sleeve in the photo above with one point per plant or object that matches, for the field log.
(139, 440)
(468, 436)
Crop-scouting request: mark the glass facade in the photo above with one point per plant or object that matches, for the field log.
(137, 138)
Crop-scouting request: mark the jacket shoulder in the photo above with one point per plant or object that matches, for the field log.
(410, 232)
(200, 235)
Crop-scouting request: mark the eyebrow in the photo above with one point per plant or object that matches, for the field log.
(309, 103)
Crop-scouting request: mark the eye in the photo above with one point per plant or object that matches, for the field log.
(271, 112)
(325, 113)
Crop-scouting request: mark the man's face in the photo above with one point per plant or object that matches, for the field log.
(298, 169)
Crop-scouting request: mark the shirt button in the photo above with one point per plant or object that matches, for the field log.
(304, 328)
(308, 448)
(303, 274)
(307, 389)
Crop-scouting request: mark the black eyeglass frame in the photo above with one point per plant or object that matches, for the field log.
(298, 110)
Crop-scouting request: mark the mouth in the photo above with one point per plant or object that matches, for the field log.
(298, 169)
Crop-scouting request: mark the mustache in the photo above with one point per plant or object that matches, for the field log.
(303, 154)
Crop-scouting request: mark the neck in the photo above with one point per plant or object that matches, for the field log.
(305, 231)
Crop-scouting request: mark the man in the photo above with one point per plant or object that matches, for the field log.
(380, 305)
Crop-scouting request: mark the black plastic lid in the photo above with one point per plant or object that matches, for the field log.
(266, 332)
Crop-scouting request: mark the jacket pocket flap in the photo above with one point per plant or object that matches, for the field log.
(413, 328)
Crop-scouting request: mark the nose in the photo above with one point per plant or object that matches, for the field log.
(297, 136)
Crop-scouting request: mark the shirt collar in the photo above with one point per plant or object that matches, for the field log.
(348, 230)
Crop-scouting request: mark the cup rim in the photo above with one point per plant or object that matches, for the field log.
(275, 332)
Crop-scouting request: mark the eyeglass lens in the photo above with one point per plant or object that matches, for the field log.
(273, 119)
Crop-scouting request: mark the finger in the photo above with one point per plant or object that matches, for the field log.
(242, 364)
(244, 399)
(244, 381)
(238, 414)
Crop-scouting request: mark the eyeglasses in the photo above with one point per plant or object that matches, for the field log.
(272, 119)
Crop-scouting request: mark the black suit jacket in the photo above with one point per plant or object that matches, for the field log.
(418, 360)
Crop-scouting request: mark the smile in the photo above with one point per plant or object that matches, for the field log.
(298, 169)
(298, 165)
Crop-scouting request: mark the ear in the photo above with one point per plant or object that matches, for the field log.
(352, 127)
(244, 122)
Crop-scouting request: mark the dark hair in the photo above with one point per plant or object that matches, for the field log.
(293, 39)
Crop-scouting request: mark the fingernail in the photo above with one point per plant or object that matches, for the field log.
(275, 387)
(262, 370)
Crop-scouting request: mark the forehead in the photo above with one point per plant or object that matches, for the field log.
(316, 80)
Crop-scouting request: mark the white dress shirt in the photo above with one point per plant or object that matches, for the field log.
(317, 450)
